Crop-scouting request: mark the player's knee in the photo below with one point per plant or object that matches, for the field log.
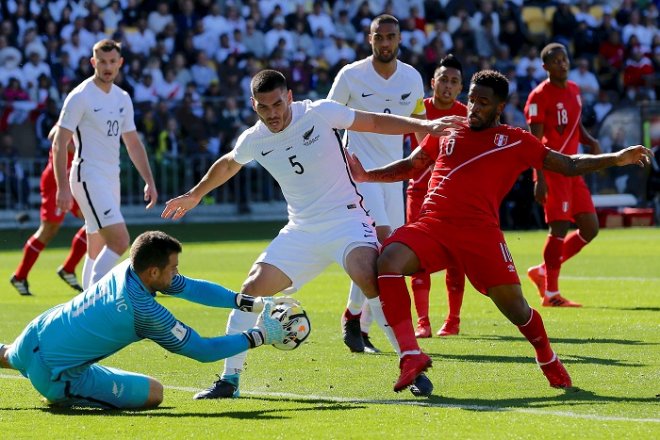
(588, 234)
(387, 262)
(155, 397)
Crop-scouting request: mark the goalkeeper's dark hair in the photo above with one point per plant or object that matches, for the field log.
(549, 51)
(494, 80)
(153, 249)
(266, 81)
(450, 61)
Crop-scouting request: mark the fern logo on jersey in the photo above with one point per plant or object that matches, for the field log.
(307, 137)
(404, 97)
(501, 140)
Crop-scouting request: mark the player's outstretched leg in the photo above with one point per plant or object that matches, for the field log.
(21, 286)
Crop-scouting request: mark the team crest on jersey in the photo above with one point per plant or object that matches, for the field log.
(501, 140)
(404, 97)
(307, 137)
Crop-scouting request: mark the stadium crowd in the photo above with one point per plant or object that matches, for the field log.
(188, 64)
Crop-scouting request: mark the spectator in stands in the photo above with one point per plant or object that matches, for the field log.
(145, 95)
(586, 80)
(513, 37)
(277, 33)
(75, 50)
(638, 75)
(158, 19)
(563, 23)
(254, 40)
(584, 16)
(338, 51)
(203, 72)
(637, 28)
(142, 40)
(512, 113)
(112, 15)
(34, 68)
(487, 9)
(12, 175)
(484, 39)
(602, 106)
(320, 19)
(533, 61)
(585, 41)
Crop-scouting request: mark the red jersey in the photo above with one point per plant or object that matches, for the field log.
(559, 110)
(421, 181)
(475, 170)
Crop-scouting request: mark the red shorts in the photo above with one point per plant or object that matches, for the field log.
(567, 197)
(481, 252)
(414, 201)
(49, 212)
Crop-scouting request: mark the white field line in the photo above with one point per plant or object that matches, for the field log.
(579, 278)
(421, 403)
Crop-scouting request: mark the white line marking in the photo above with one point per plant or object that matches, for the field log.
(421, 403)
(579, 278)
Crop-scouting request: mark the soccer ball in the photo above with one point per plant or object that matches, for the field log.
(295, 321)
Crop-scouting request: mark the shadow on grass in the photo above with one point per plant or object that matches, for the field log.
(501, 338)
(165, 411)
(489, 359)
(572, 397)
(629, 309)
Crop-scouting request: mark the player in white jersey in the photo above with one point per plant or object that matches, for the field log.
(297, 142)
(379, 83)
(99, 113)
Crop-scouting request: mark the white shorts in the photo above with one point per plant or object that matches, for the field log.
(303, 253)
(384, 203)
(99, 201)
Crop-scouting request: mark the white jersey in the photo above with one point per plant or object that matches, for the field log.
(97, 120)
(360, 87)
(308, 161)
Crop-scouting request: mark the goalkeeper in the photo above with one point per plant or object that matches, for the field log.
(59, 350)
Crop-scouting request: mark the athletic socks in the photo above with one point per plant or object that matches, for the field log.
(455, 281)
(31, 251)
(573, 243)
(238, 322)
(378, 315)
(88, 266)
(421, 286)
(104, 262)
(395, 301)
(552, 253)
(534, 331)
(77, 251)
(366, 318)
(355, 299)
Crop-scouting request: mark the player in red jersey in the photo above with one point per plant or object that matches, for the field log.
(447, 83)
(553, 112)
(476, 166)
(51, 220)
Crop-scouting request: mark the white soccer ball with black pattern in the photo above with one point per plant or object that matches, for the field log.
(295, 322)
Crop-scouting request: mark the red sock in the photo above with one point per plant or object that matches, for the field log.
(31, 251)
(552, 258)
(395, 300)
(534, 331)
(572, 245)
(421, 285)
(455, 281)
(78, 249)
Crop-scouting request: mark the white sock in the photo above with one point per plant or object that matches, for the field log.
(88, 265)
(379, 317)
(105, 261)
(366, 318)
(355, 299)
(238, 322)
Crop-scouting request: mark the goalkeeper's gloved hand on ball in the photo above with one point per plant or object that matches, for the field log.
(268, 330)
(247, 303)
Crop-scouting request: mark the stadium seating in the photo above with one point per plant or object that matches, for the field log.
(536, 23)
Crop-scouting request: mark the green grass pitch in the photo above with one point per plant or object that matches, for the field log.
(486, 382)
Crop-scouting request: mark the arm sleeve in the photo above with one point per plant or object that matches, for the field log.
(72, 112)
(242, 150)
(431, 146)
(129, 119)
(534, 151)
(155, 322)
(535, 109)
(337, 115)
(202, 292)
(340, 92)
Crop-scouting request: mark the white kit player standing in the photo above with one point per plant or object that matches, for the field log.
(297, 142)
(379, 83)
(99, 113)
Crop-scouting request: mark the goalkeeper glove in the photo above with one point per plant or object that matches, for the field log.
(247, 303)
(268, 330)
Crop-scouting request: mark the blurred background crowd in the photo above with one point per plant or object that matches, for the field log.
(188, 63)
